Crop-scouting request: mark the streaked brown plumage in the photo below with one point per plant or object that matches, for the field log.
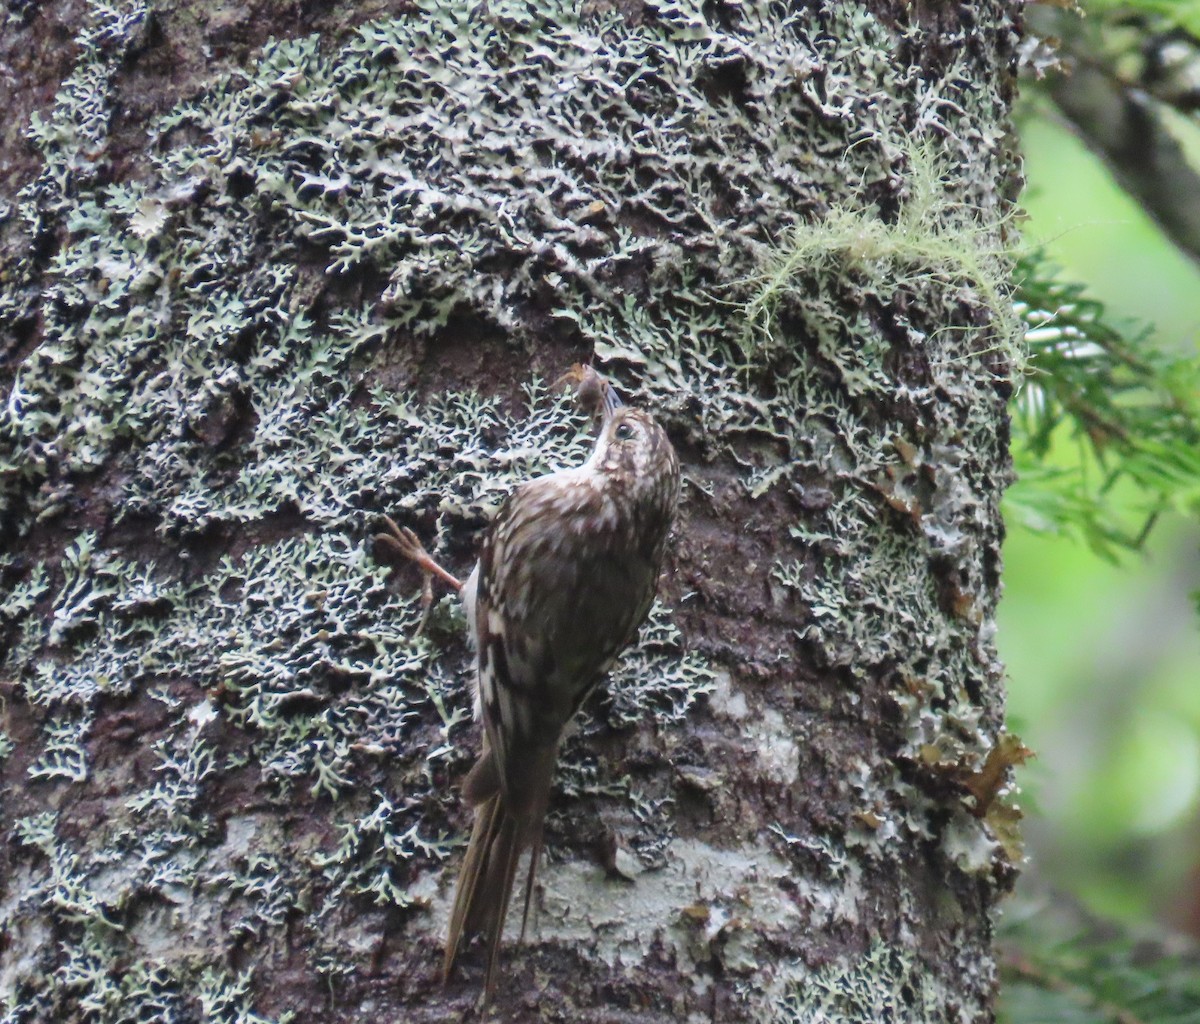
(565, 577)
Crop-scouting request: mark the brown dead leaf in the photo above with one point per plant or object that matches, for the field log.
(907, 452)
(869, 818)
(986, 783)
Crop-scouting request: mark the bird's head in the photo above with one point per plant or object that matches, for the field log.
(636, 455)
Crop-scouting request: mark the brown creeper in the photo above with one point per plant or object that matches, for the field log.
(565, 577)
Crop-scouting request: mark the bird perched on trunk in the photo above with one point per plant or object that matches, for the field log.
(565, 577)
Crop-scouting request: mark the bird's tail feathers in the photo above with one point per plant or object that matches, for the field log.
(503, 828)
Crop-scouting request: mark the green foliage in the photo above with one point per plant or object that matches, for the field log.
(1063, 968)
(1132, 410)
(1184, 13)
(1106, 442)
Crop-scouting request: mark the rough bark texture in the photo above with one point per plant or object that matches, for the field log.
(257, 291)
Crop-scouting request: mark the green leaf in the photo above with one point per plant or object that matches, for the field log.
(1106, 427)
(1060, 964)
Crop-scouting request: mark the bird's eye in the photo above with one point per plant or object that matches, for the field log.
(624, 432)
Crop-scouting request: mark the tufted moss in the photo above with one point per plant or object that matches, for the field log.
(737, 210)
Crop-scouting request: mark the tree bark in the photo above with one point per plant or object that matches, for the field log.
(270, 272)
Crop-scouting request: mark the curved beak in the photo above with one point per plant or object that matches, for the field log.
(592, 391)
(612, 401)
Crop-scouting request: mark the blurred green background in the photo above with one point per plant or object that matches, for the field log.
(1103, 659)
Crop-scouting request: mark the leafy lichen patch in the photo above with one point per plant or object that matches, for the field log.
(887, 983)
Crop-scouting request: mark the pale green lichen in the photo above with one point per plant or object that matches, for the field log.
(372, 855)
(227, 999)
(888, 983)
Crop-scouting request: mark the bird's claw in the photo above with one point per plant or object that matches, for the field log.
(402, 541)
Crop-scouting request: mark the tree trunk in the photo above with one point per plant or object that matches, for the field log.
(257, 292)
